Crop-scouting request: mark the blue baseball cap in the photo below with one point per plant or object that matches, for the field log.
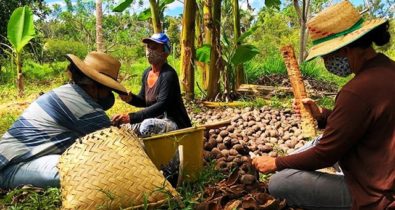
(160, 38)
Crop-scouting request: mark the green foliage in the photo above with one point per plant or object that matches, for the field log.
(248, 33)
(144, 15)
(8, 6)
(122, 6)
(127, 53)
(258, 67)
(55, 50)
(273, 3)
(40, 73)
(31, 198)
(327, 102)
(203, 53)
(244, 53)
(7, 119)
(20, 28)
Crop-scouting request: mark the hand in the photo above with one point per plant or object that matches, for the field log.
(264, 164)
(120, 119)
(309, 103)
(126, 98)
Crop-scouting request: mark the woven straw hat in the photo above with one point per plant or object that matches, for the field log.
(109, 169)
(100, 67)
(337, 26)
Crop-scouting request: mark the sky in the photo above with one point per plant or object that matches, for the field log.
(175, 8)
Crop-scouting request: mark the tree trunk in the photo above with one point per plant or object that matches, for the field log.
(188, 48)
(155, 16)
(215, 57)
(99, 26)
(302, 14)
(240, 77)
(19, 76)
(198, 28)
(199, 42)
(208, 33)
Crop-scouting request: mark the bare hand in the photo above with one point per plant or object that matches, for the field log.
(264, 164)
(309, 103)
(126, 98)
(120, 119)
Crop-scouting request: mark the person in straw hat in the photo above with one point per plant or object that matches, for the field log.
(30, 149)
(359, 132)
(160, 94)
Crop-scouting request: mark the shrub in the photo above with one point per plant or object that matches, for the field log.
(55, 50)
(267, 66)
(46, 72)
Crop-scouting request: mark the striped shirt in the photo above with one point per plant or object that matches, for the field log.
(51, 124)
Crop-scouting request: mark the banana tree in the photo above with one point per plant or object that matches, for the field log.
(212, 21)
(20, 30)
(188, 48)
(233, 54)
(236, 34)
(155, 11)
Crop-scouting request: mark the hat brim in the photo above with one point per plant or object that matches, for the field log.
(332, 45)
(147, 40)
(97, 76)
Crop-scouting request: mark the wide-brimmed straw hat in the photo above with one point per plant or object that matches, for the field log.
(100, 67)
(336, 27)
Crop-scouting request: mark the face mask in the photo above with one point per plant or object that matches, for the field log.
(154, 56)
(338, 66)
(107, 102)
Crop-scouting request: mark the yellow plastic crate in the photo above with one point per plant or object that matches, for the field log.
(161, 148)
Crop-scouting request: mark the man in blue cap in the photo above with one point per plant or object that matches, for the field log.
(160, 94)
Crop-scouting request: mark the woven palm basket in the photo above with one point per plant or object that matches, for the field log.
(109, 169)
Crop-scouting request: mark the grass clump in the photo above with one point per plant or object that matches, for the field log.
(26, 198)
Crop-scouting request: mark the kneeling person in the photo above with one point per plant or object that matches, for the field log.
(160, 94)
(31, 148)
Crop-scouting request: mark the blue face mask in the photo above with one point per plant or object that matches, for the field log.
(338, 66)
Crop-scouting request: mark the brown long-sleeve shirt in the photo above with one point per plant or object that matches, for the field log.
(360, 134)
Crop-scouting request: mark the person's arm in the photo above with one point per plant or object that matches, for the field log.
(139, 100)
(345, 127)
(164, 99)
(321, 122)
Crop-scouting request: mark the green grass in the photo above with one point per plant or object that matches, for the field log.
(31, 198)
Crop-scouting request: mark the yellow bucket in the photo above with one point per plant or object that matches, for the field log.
(161, 148)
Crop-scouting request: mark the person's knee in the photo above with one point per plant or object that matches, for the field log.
(151, 126)
(276, 184)
(284, 182)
